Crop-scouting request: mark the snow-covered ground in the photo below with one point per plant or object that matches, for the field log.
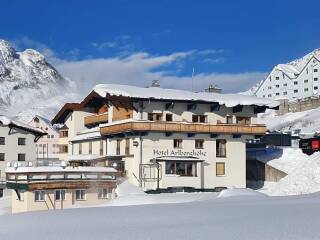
(306, 121)
(233, 217)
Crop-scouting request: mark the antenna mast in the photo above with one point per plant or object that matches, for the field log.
(192, 79)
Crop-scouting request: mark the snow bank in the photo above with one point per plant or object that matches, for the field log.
(129, 195)
(239, 192)
(303, 178)
(229, 100)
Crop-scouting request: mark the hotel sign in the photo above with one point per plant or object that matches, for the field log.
(180, 153)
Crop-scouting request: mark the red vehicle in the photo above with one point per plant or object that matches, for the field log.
(310, 145)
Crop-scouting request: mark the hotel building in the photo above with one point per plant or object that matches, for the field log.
(296, 80)
(164, 138)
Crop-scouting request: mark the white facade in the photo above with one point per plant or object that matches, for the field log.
(47, 147)
(198, 159)
(295, 80)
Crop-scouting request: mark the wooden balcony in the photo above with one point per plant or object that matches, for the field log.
(96, 119)
(183, 127)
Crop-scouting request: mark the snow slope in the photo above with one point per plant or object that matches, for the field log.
(281, 218)
(304, 122)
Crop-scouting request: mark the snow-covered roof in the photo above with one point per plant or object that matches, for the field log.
(47, 122)
(83, 157)
(88, 134)
(294, 68)
(8, 121)
(59, 169)
(229, 100)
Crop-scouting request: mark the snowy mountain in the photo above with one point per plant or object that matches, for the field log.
(29, 85)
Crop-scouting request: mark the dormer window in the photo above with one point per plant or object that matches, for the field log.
(199, 118)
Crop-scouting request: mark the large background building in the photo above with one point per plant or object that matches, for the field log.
(298, 79)
(163, 138)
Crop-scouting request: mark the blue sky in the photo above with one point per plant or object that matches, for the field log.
(231, 43)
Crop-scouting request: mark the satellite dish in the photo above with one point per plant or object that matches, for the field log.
(63, 164)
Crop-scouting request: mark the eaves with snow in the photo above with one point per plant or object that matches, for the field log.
(157, 93)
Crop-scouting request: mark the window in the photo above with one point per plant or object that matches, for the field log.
(80, 194)
(285, 84)
(118, 147)
(181, 168)
(2, 141)
(48, 136)
(269, 87)
(277, 94)
(1, 192)
(127, 148)
(39, 196)
(63, 148)
(80, 148)
(295, 91)
(2, 157)
(60, 195)
(229, 119)
(199, 118)
(315, 70)
(52, 136)
(269, 95)
(177, 143)
(63, 133)
(103, 193)
(21, 156)
(244, 120)
(199, 143)
(277, 86)
(220, 169)
(295, 82)
(284, 93)
(21, 141)
(315, 79)
(90, 147)
(305, 81)
(221, 150)
(154, 116)
(306, 89)
(169, 117)
(315, 88)
(101, 148)
(277, 78)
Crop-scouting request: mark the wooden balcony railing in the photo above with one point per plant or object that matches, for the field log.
(96, 119)
(33, 181)
(183, 127)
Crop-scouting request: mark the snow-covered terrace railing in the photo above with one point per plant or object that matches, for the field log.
(183, 127)
(53, 177)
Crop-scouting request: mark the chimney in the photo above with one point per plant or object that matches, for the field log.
(155, 83)
(213, 89)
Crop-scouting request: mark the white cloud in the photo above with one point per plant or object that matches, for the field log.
(140, 68)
